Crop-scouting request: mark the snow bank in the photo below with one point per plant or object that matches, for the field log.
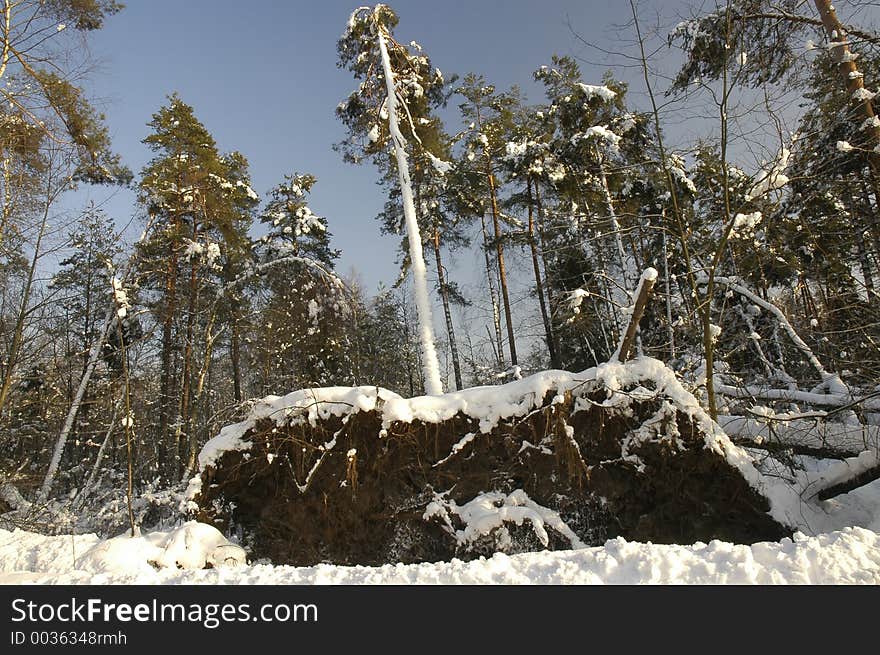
(850, 556)
(191, 546)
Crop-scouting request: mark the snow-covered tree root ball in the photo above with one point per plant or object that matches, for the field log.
(554, 461)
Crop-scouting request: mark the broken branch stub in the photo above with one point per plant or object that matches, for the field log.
(643, 295)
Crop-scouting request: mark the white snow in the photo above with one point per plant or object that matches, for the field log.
(599, 132)
(490, 511)
(603, 92)
(575, 300)
(676, 167)
(744, 224)
(441, 166)
(772, 175)
(120, 297)
(849, 556)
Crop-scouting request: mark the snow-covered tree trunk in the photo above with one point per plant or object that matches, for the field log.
(94, 355)
(430, 363)
(846, 62)
(640, 299)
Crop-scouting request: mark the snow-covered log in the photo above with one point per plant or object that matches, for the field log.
(845, 476)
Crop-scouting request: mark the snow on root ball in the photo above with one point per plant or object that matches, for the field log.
(554, 461)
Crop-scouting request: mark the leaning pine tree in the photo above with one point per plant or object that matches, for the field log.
(368, 50)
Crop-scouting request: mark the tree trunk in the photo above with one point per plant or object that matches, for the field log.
(430, 363)
(99, 458)
(444, 294)
(167, 443)
(539, 285)
(502, 270)
(670, 330)
(859, 236)
(192, 449)
(542, 236)
(235, 353)
(642, 295)
(854, 80)
(128, 421)
(94, 355)
(185, 437)
(499, 246)
(874, 224)
(624, 273)
(493, 295)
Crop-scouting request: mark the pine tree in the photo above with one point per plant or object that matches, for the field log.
(82, 292)
(397, 84)
(303, 339)
(42, 102)
(490, 115)
(198, 202)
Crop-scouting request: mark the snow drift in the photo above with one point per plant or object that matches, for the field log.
(850, 556)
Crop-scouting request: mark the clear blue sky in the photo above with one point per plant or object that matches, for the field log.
(262, 77)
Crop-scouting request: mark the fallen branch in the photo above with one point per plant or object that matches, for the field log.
(848, 475)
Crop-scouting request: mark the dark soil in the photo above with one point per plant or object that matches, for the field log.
(369, 509)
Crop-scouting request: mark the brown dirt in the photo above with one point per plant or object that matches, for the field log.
(369, 510)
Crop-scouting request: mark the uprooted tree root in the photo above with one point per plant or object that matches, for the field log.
(342, 490)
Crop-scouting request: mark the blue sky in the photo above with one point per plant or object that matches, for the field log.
(262, 77)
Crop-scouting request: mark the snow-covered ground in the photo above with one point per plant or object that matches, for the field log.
(849, 556)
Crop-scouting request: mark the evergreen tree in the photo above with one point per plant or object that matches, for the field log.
(199, 206)
(410, 85)
(303, 337)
